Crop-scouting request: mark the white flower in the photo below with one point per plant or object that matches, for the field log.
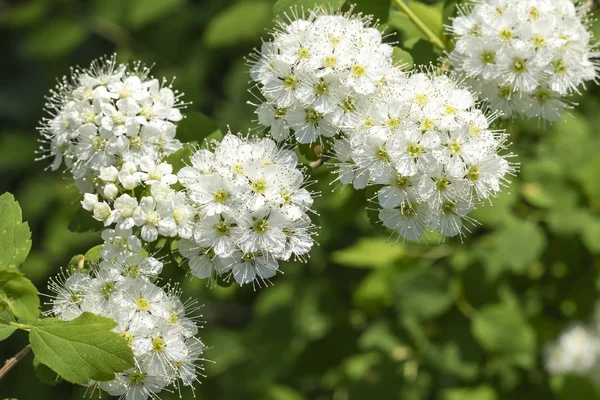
(89, 201)
(125, 207)
(161, 173)
(433, 151)
(155, 217)
(575, 352)
(261, 230)
(103, 213)
(155, 323)
(252, 210)
(526, 59)
(201, 260)
(313, 69)
(108, 115)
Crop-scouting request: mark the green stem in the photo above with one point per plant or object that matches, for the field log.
(17, 325)
(435, 39)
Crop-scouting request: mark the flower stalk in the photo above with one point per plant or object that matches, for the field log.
(435, 39)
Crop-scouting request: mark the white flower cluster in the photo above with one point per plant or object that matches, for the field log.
(576, 351)
(252, 207)
(111, 126)
(419, 135)
(313, 71)
(154, 321)
(423, 139)
(525, 56)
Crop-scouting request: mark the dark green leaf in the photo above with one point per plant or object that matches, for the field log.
(239, 23)
(195, 127)
(403, 58)
(502, 329)
(82, 221)
(19, 295)
(376, 252)
(379, 9)
(143, 12)
(82, 349)
(181, 158)
(287, 6)
(66, 34)
(15, 237)
(6, 330)
(45, 374)
(483, 392)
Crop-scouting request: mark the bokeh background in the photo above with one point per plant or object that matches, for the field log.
(364, 317)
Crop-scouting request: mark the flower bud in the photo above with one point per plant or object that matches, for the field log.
(102, 212)
(89, 201)
(109, 174)
(111, 191)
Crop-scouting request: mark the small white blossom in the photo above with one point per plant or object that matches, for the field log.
(251, 210)
(525, 57)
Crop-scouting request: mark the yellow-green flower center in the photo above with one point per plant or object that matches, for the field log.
(142, 304)
(313, 116)
(321, 87)
(519, 66)
(414, 150)
(382, 154)
(506, 34)
(259, 186)
(448, 207)
(290, 82)
(220, 196)
(358, 70)
(107, 288)
(473, 173)
(488, 57)
(158, 345)
(222, 228)
(137, 378)
(260, 226)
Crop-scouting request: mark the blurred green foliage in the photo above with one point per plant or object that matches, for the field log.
(365, 317)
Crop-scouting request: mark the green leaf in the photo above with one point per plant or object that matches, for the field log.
(374, 290)
(502, 329)
(5, 329)
(514, 248)
(93, 255)
(421, 292)
(82, 221)
(587, 176)
(403, 57)
(573, 387)
(421, 51)
(66, 34)
(45, 374)
(195, 127)
(379, 9)
(82, 349)
(181, 158)
(483, 392)
(280, 392)
(19, 295)
(16, 149)
(143, 12)
(25, 13)
(239, 23)
(449, 11)
(15, 237)
(375, 252)
(431, 16)
(591, 235)
(286, 6)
